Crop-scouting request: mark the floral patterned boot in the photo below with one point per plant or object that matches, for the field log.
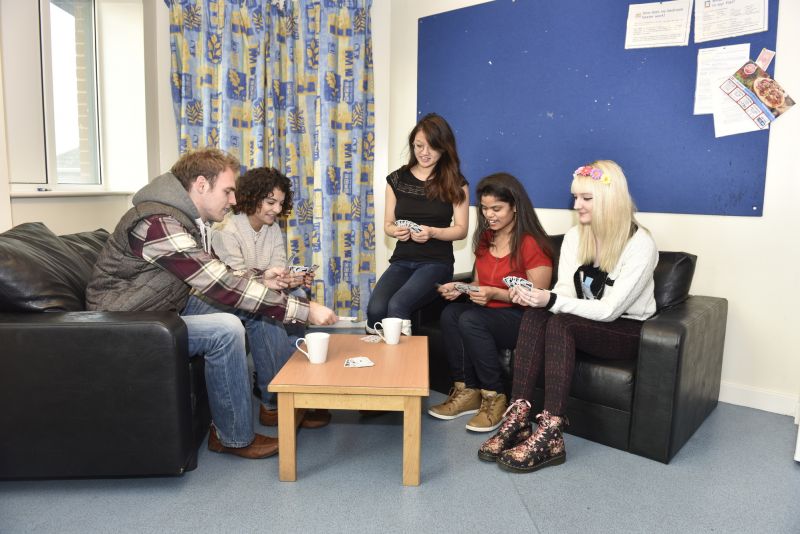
(516, 428)
(543, 449)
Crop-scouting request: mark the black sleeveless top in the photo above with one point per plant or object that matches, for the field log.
(413, 205)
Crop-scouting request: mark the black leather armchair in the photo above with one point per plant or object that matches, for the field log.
(87, 394)
(651, 405)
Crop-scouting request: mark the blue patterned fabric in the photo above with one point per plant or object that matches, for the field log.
(290, 85)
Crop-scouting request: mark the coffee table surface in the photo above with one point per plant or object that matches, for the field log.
(400, 369)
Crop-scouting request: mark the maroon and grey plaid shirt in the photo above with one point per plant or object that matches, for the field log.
(163, 241)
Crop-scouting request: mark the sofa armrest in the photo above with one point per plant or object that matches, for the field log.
(678, 375)
(94, 394)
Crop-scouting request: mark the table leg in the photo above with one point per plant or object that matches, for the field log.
(412, 440)
(287, 438)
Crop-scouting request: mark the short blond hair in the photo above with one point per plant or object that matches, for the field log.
(613, 218)
(208, 162)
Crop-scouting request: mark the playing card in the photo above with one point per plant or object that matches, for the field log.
(405, 223)
(358, 361)
(512, 281)
(303, 269)
(465, 288)
(372, 339)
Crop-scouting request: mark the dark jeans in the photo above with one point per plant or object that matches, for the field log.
(404, 287)
(550, 340)
(474, 336)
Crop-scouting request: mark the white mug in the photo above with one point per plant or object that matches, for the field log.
(317, 345)
(391, 330)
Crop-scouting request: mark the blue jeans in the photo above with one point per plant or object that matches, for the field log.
(404, 287)
(220, 339)
(270, 345)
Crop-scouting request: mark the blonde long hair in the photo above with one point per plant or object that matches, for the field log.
(613, 221)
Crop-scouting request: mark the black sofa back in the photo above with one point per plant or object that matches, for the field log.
(40, 271)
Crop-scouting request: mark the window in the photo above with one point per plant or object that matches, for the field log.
(70, 91)
(73, 83)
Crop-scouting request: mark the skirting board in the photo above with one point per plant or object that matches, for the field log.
(760, 399)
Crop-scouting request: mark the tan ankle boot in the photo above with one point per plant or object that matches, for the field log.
(490, 415)
(461, 401)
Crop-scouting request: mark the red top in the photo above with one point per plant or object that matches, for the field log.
(491, 270)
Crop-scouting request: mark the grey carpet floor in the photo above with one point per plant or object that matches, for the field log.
(736, 474)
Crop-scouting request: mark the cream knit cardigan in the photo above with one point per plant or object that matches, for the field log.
(630, 297)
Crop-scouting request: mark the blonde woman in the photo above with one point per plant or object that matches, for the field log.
(603, 294)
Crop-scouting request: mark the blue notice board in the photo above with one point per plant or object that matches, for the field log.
(537, 88)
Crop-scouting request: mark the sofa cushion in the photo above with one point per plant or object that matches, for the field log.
(40, 272)
(673, 278)
(87, 244)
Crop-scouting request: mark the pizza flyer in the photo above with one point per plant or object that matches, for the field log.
(761, 97)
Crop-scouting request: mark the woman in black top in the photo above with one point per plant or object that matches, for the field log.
(431, 192)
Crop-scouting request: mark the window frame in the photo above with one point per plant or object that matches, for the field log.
(51, 182)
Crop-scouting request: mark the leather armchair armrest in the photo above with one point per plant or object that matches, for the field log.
(678, 375)
(94, 394)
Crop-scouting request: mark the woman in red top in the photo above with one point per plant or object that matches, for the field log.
(510, 241)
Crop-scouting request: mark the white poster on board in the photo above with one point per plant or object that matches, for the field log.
(720, 19)
(658, 24)
(713, 66)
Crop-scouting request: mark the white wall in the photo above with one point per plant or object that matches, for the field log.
(748, 260)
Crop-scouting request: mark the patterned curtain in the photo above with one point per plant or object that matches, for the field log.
(289, 84)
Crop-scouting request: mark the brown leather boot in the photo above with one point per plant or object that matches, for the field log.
(261, 447)
(312, 418)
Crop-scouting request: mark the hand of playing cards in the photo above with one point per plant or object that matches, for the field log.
(403, 223)
(465, 288)
(302, 269)
(513, 281)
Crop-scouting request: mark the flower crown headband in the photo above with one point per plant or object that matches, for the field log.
(594, 173)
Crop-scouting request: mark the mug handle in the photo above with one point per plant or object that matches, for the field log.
(296, 344)
(379, 332)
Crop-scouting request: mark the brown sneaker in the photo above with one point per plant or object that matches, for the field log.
(261, 447)
(461, 401)
(311, 419)
(490, 415)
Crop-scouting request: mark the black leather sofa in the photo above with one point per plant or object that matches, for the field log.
(88, 394)
(651, 405)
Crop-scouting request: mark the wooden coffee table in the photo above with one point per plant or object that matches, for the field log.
(397, 382)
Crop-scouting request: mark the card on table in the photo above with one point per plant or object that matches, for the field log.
(358, 361)
(372, 339)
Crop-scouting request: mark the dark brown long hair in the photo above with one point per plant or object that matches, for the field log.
(446, 181)
(506, 188)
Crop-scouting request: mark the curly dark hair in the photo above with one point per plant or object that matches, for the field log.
(257, 184)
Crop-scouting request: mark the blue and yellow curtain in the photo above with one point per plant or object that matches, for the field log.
(289, 84)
